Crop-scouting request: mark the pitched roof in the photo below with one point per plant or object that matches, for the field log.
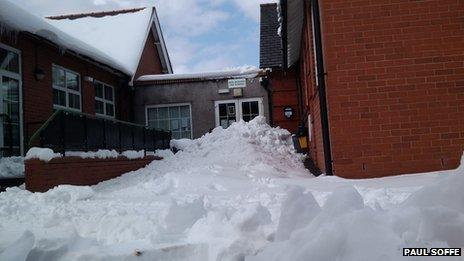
(15, 18)
(119, 34)
(270, 50)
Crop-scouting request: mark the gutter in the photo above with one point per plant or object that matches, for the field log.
(322, 86)
(265, 84)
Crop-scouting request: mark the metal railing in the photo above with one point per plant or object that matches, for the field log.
(72, 131)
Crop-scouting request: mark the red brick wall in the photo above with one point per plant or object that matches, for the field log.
(284, 93)
(311, 95)
(38, 95)
(150, 62)
(42, 176)
(395, 85)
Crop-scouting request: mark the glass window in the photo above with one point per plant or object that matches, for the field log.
(9, 61)
(227, 114)
(66, 88)
(250, 110)
(104, 99)
(171, 118)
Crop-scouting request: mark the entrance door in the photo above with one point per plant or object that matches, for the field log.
(10, 102)
(230, 111)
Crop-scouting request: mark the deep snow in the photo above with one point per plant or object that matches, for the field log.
(235, 194)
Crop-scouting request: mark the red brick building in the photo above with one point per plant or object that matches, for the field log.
(59, 63)
(382, 83)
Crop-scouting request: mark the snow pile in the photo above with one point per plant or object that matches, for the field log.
(344, 228)
(46, 154)
(244, 145)
(11, 167)
(133, 154)
(236, 194)
(43, 154)
(100, 154)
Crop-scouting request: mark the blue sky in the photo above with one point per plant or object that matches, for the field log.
(201, 35)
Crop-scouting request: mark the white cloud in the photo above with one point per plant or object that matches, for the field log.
(251, 7)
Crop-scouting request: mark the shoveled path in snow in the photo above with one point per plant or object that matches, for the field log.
(235, 194)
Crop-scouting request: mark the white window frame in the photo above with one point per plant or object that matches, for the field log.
(105, 101)
(147, 107)
(67, 91)
(18, 77)
(238, 107)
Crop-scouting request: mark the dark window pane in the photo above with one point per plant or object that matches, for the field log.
(255, 108)
(98, 90)
(99, 107)
(163, 113)
(58, 77)
(9, 61)
(110, 109)
(174, 112)
(246, 107)
(175, 125)
(72, 81)
(59, 97)
(152, 114)
(74, 101)
(222, 109)
(108, 93)
(185, 111)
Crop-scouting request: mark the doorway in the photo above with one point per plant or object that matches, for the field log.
(230, 111)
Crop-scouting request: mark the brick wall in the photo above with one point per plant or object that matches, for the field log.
(150, 62)
(284, 93)
(42, 176)
(395, 85)
(38, 95)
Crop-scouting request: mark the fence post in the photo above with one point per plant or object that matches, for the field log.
(86, 133)
(133, 138)
(104, 134)
(63, 132)
(119, 132)
(144, 142)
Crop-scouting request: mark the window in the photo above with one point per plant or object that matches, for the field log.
(230, 111)
(104, 99)
(66, 88)
(10, 102)
(175, 118)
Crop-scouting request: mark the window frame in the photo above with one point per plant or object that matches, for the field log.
(169, 105)
(238, 107)
(19, 77)
(67, 90)
(104, 100)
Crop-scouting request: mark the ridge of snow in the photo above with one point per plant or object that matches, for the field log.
(238, 72)
(14, 17)
(46, 154)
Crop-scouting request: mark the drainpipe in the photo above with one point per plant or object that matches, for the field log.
(267, 87)
(322, 86)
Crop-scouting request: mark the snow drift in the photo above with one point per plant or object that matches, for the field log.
(235, 194)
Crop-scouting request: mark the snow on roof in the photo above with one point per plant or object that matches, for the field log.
(121, 36)
(239, 72)
(14, 17)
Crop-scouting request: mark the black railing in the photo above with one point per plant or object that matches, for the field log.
(71, 131)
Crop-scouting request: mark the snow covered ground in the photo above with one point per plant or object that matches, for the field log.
(235, 194)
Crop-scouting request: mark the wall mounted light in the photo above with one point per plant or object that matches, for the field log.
(39, 74)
